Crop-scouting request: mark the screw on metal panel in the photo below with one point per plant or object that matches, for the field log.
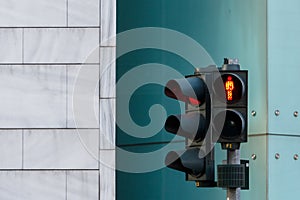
(296, 157)
(277, 156)
(253, 156)
(296, 114)
(277, 112)
(253, 113)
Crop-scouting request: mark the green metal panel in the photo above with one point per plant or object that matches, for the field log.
(231, 28)
(224, 28)
(283, 65)
(284, 173)
(134, 14)
(149, 94)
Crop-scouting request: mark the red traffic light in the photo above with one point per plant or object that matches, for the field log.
(233, 86)
(229, 87)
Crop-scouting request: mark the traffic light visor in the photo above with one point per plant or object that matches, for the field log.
(186, 161)
(189, 90)
(191, 125)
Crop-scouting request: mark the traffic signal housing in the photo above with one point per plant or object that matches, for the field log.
(231, 108)
(194, 161)
(216, 106)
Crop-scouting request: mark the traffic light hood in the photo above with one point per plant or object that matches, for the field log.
(191, 125)
(189, 90)
(187, 161)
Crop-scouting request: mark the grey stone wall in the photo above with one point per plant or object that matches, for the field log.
(44, 45)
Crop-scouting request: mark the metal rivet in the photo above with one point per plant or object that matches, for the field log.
(296, 157)
(277, 112)
(277, 156)
(296, 114)
(253, 156)
(253, 113)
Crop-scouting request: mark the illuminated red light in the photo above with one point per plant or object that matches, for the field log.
(194, 102)
(229, 87)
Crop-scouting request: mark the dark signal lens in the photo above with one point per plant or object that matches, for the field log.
(233, 125)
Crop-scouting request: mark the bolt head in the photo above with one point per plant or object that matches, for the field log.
(296, 114)
(253, 113)
(277, 112)
(253, 156)
(277, 156)
(296, 157)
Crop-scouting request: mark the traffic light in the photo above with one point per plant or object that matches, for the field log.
(231, 109)
(194, 161)
(215, 111)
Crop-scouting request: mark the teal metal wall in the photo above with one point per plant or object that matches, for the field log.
(283, 66)
(265, 36)
(283, 95)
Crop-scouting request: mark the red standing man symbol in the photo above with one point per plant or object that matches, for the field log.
(229, 87)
